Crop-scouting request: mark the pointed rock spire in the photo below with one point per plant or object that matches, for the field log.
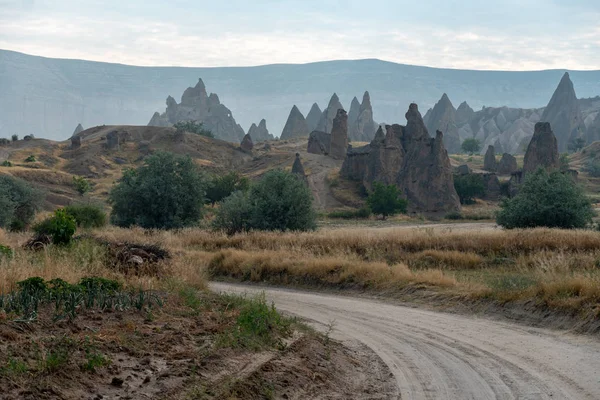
(443, 118)
(295, 126)
(542, 151)
(247, 143)
(313, 117)
(326, 121)
(77, 130)
(339, 135)
(260, 133)
(489, 160)
(297, 167)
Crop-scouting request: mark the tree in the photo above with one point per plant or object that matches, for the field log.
(552, 200)
(564, 162)
(222, 186)
(18, 203)
(280, 201)
(167, 192)
(471, 146)
(60, 227)
(193, 127)
(82, 185)
(576, 144)
(468, 187)
(87, 215)
(385, 200)
(14, 137)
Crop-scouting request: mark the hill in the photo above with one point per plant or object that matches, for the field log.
(49, 97)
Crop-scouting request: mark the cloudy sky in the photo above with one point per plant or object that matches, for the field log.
(473, 34)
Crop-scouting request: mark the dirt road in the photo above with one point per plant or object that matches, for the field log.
(446, 356)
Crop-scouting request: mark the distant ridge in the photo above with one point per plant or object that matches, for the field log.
(48, 97)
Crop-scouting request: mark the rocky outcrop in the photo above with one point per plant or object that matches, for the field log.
(464, 114)
(339, 135)
(443, 118)
(361, 126)
(492, 186)
(593, 130)
(319, 143)
(260, 133)
(78, 130)
(564, 115)
(75, 142)
(353, 119)
(507, 164)
(542, 151)
(295, 126)
(326, 121)
(197, 105)
(247, 143)
(409, 158)
(489, 160)
(298, 168)
(463, 170)
(313, 117)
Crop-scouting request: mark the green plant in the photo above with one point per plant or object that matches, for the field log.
(385, 200)
(81, 185)
(222, 186)
(31, 158)
(60, 227)
(94, 359)
(471, 146)
(18, 203)
(87, 216)
(14, 367)
(564, 162)
(361, 213)
(6, 163)
(234, 214)
(592, 168)
(468, 187)
(193, 127)
(454, 215)
(14, 137)
(167, 192)
(5, 252)
(550, 200)
(576, 144)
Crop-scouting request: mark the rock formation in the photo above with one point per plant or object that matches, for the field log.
(295, 125)
(313, 117)
(260, 133)
(365, 125)
(75, 142)
(353, 119)
(464, 114)
(78, 129)
(247, 144)
(112, 140)
(564, 115)
(326, 121)
(489, 161)
(297, 167)
(593, 131)
(463, 170)
(507, 164)
(408, 157)
(197, 105)
(443, 118)
(339, 135)
(319, 143)
(542, 151)
(492, 186)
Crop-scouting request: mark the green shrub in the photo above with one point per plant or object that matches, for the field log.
(279, 201)
(471, 146)
(81, 185)
(361, 213)
(14, 138)
(564, 162)
(454, 215)
(222, 186)
(6, 163)
(31, 158)
(550, 200)
(593, 168)
(87, 216)
(60, 227)
(468, 187)
(193, 127)
(5, 252)
(385, 200)
(167, 192)
(18, 203)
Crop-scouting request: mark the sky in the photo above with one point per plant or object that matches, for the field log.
(464, 34)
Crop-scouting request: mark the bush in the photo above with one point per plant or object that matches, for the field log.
(454, 215)
(31, 158)
(6, 163)
(279, 201)
(593, 168)
(5, 252)
(87, 216)
(221, 187)
(564, 162)
(549, 200)
(167, 192)
(193, 127)
(363, 213)
(14, 138)
(385, 200)
(471, 146)
(18, 203)
(81, 185)
(60, 227)
(468, 187)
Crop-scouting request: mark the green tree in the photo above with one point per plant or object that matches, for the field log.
(576, 144)
(193, 127)
(564, 162)
(221, 186)
(18, 203)
(280, 201)
(468, 187)
(167, 192)
(86, 215)
(550, 200)
(14, 137)
(81, 185)
(471, 146)
(385, 200)
(60, 227)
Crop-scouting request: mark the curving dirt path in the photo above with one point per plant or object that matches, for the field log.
(445, 356)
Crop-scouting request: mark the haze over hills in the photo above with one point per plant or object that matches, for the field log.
(49, 97)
